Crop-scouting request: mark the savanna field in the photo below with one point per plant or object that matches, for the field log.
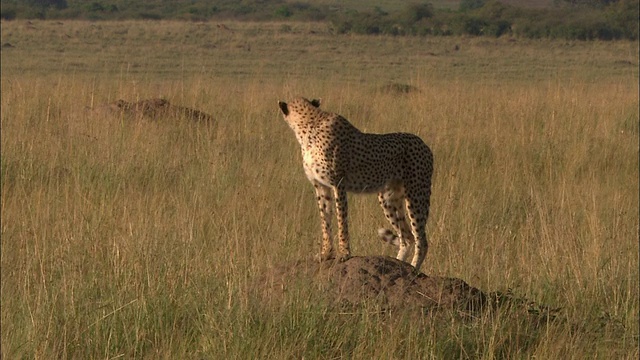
(144, 239)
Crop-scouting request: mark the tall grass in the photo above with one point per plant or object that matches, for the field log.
(146, 240)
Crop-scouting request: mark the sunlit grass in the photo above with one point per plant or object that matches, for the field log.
(147, 239)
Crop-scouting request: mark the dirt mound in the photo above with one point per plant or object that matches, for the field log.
(152, 109)
(398, 89)
(384, 280)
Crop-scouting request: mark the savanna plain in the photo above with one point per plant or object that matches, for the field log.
(145, 239)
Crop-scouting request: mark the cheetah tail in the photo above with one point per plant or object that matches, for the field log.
(388, 236)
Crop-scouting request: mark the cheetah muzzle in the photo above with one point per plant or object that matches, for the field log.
(338, 158)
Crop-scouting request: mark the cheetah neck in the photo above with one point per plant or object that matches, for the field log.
(306, 131)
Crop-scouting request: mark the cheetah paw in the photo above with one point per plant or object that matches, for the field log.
(344, 258)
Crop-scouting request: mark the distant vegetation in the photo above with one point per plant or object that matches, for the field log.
(567, 19)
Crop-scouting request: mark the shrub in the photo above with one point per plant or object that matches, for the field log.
(8, 12)
(497, 28)
(576, 19)
(283, 11)
(466, 5)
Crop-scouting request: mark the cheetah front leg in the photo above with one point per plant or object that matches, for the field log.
(340, 194)
(324, 196)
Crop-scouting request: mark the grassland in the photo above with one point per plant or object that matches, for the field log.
(144, 240)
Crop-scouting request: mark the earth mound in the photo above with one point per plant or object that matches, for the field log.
(152, 109)
(398, 89)
(384, 280)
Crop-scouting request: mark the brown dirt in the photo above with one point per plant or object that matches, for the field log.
(383, 280)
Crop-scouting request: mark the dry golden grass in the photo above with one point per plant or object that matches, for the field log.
(142, 240)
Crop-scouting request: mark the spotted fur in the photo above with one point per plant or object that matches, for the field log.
(338, 158)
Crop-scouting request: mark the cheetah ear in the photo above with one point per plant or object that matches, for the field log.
(284, 107)
(315, 102)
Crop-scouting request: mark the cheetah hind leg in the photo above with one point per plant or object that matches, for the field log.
(401, 242)
(393, 205)
(418, 206)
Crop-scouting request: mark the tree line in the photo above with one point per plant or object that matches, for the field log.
(567, 19)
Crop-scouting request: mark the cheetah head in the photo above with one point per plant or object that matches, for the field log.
(299, 115)
(297, 104)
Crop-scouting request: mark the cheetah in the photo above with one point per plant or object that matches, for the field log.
(338, 158)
